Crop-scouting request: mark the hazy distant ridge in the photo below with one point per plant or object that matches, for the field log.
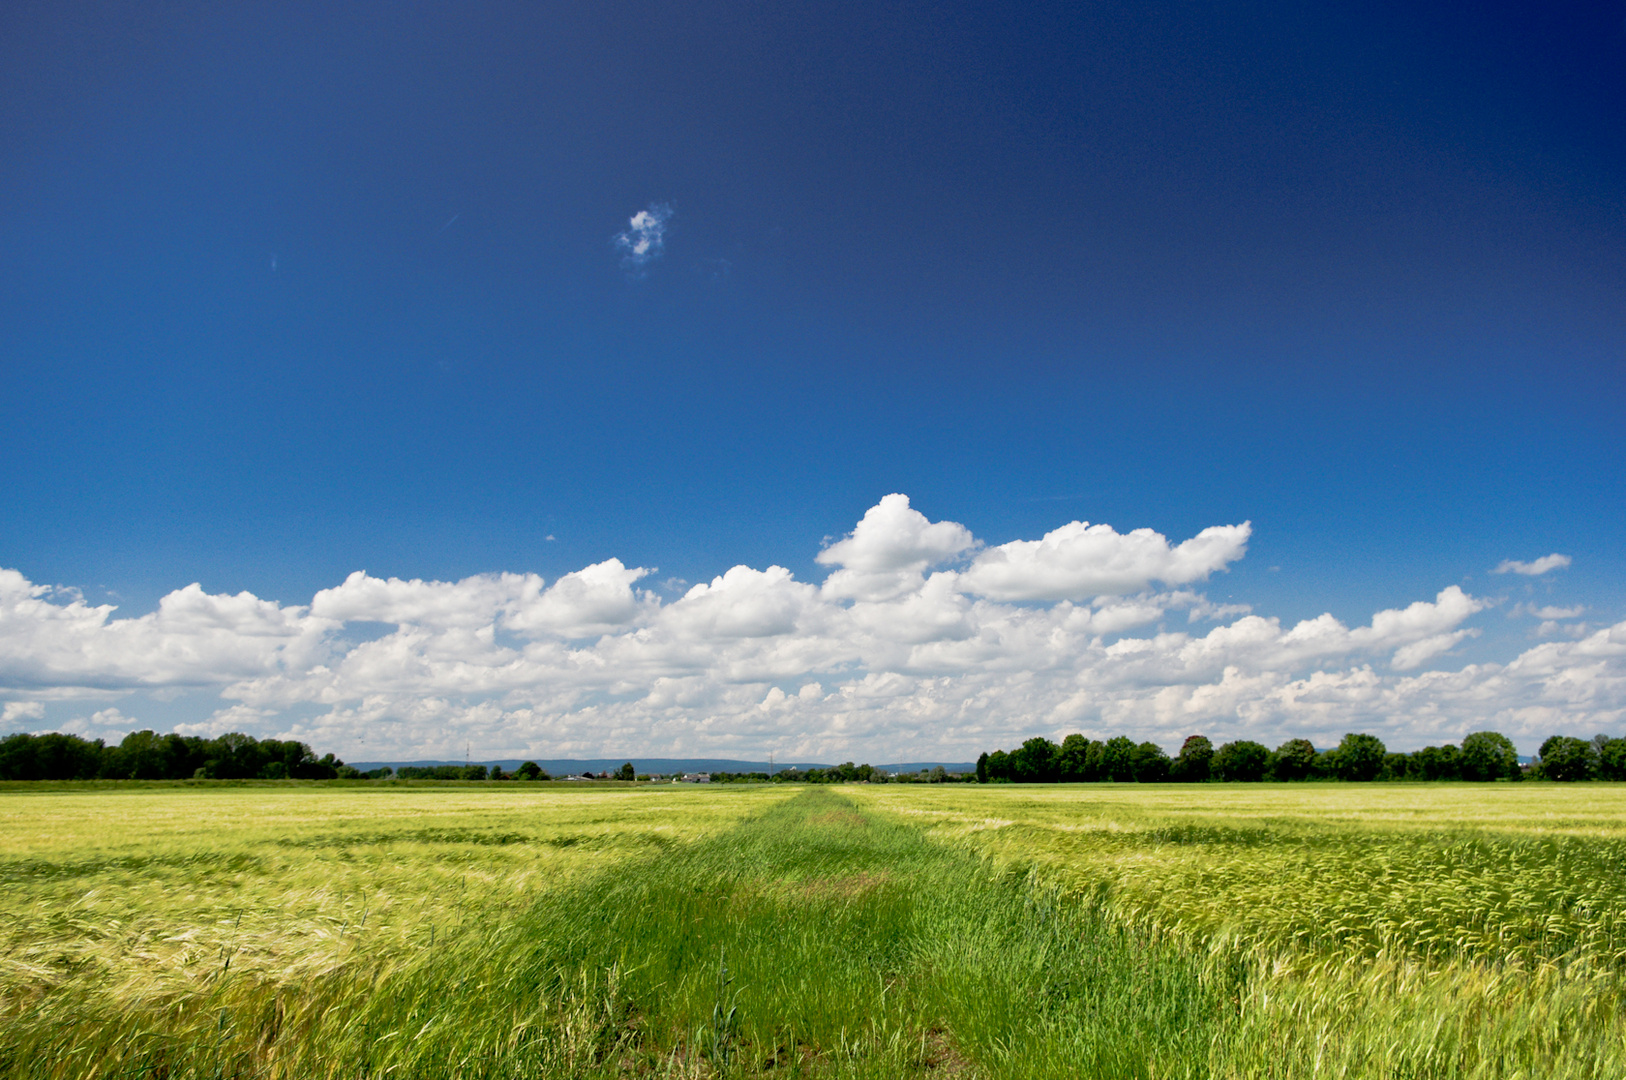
(663, 765)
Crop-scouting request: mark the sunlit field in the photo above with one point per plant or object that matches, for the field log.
(148, 895)
(1382, 930)
(509, 930)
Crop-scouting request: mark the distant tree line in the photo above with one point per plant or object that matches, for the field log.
(848, 773)
(1483, 756)
(437, 772)
(527, 771)
(143, 755)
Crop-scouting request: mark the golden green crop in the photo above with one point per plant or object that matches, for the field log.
(1500, 873)
(1384, 930)
(1454, 932)
(141, 892)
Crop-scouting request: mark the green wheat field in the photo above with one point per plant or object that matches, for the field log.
(425, 930)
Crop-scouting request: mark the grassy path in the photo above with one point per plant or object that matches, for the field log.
(814, 940)
(855, 946)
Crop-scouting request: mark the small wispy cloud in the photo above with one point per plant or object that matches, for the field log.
(1548, 612)
(1534, 568)
(644, 239)
(1203, 611)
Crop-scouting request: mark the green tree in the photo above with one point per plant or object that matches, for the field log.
(1095, 761)
(1292, 760)
(52, 756)
(1611, 757)
(999, 765)
(1487, 755)
(529, 770)
(1151, 763)
(1564, 758)
(326, 768)
(1396, 766)
(626, 772)
(233, 756)
(1075, 750)
(1358, 757)
(982, 767)
(1037, 762)
(1438, 763)
(142, 755)
(1118, 760)
(1196, 760)
(1242, 760)
(182, 755)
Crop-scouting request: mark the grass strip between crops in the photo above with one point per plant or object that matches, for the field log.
(815, 939)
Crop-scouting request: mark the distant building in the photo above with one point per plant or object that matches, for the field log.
(697, 778)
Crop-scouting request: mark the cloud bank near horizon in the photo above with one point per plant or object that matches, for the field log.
(920, 640)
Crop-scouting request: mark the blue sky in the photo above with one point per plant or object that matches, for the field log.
(291, 292)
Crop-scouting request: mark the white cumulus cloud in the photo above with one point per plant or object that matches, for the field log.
(902, 650)
(194, 638)
(887, 552)
(743, 603)
(594, 600)
(472, 602)
(1079, 561)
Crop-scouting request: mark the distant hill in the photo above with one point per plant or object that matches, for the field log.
(664, 766)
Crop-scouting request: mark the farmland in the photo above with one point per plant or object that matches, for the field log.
(899, 930)
(1383, 930)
